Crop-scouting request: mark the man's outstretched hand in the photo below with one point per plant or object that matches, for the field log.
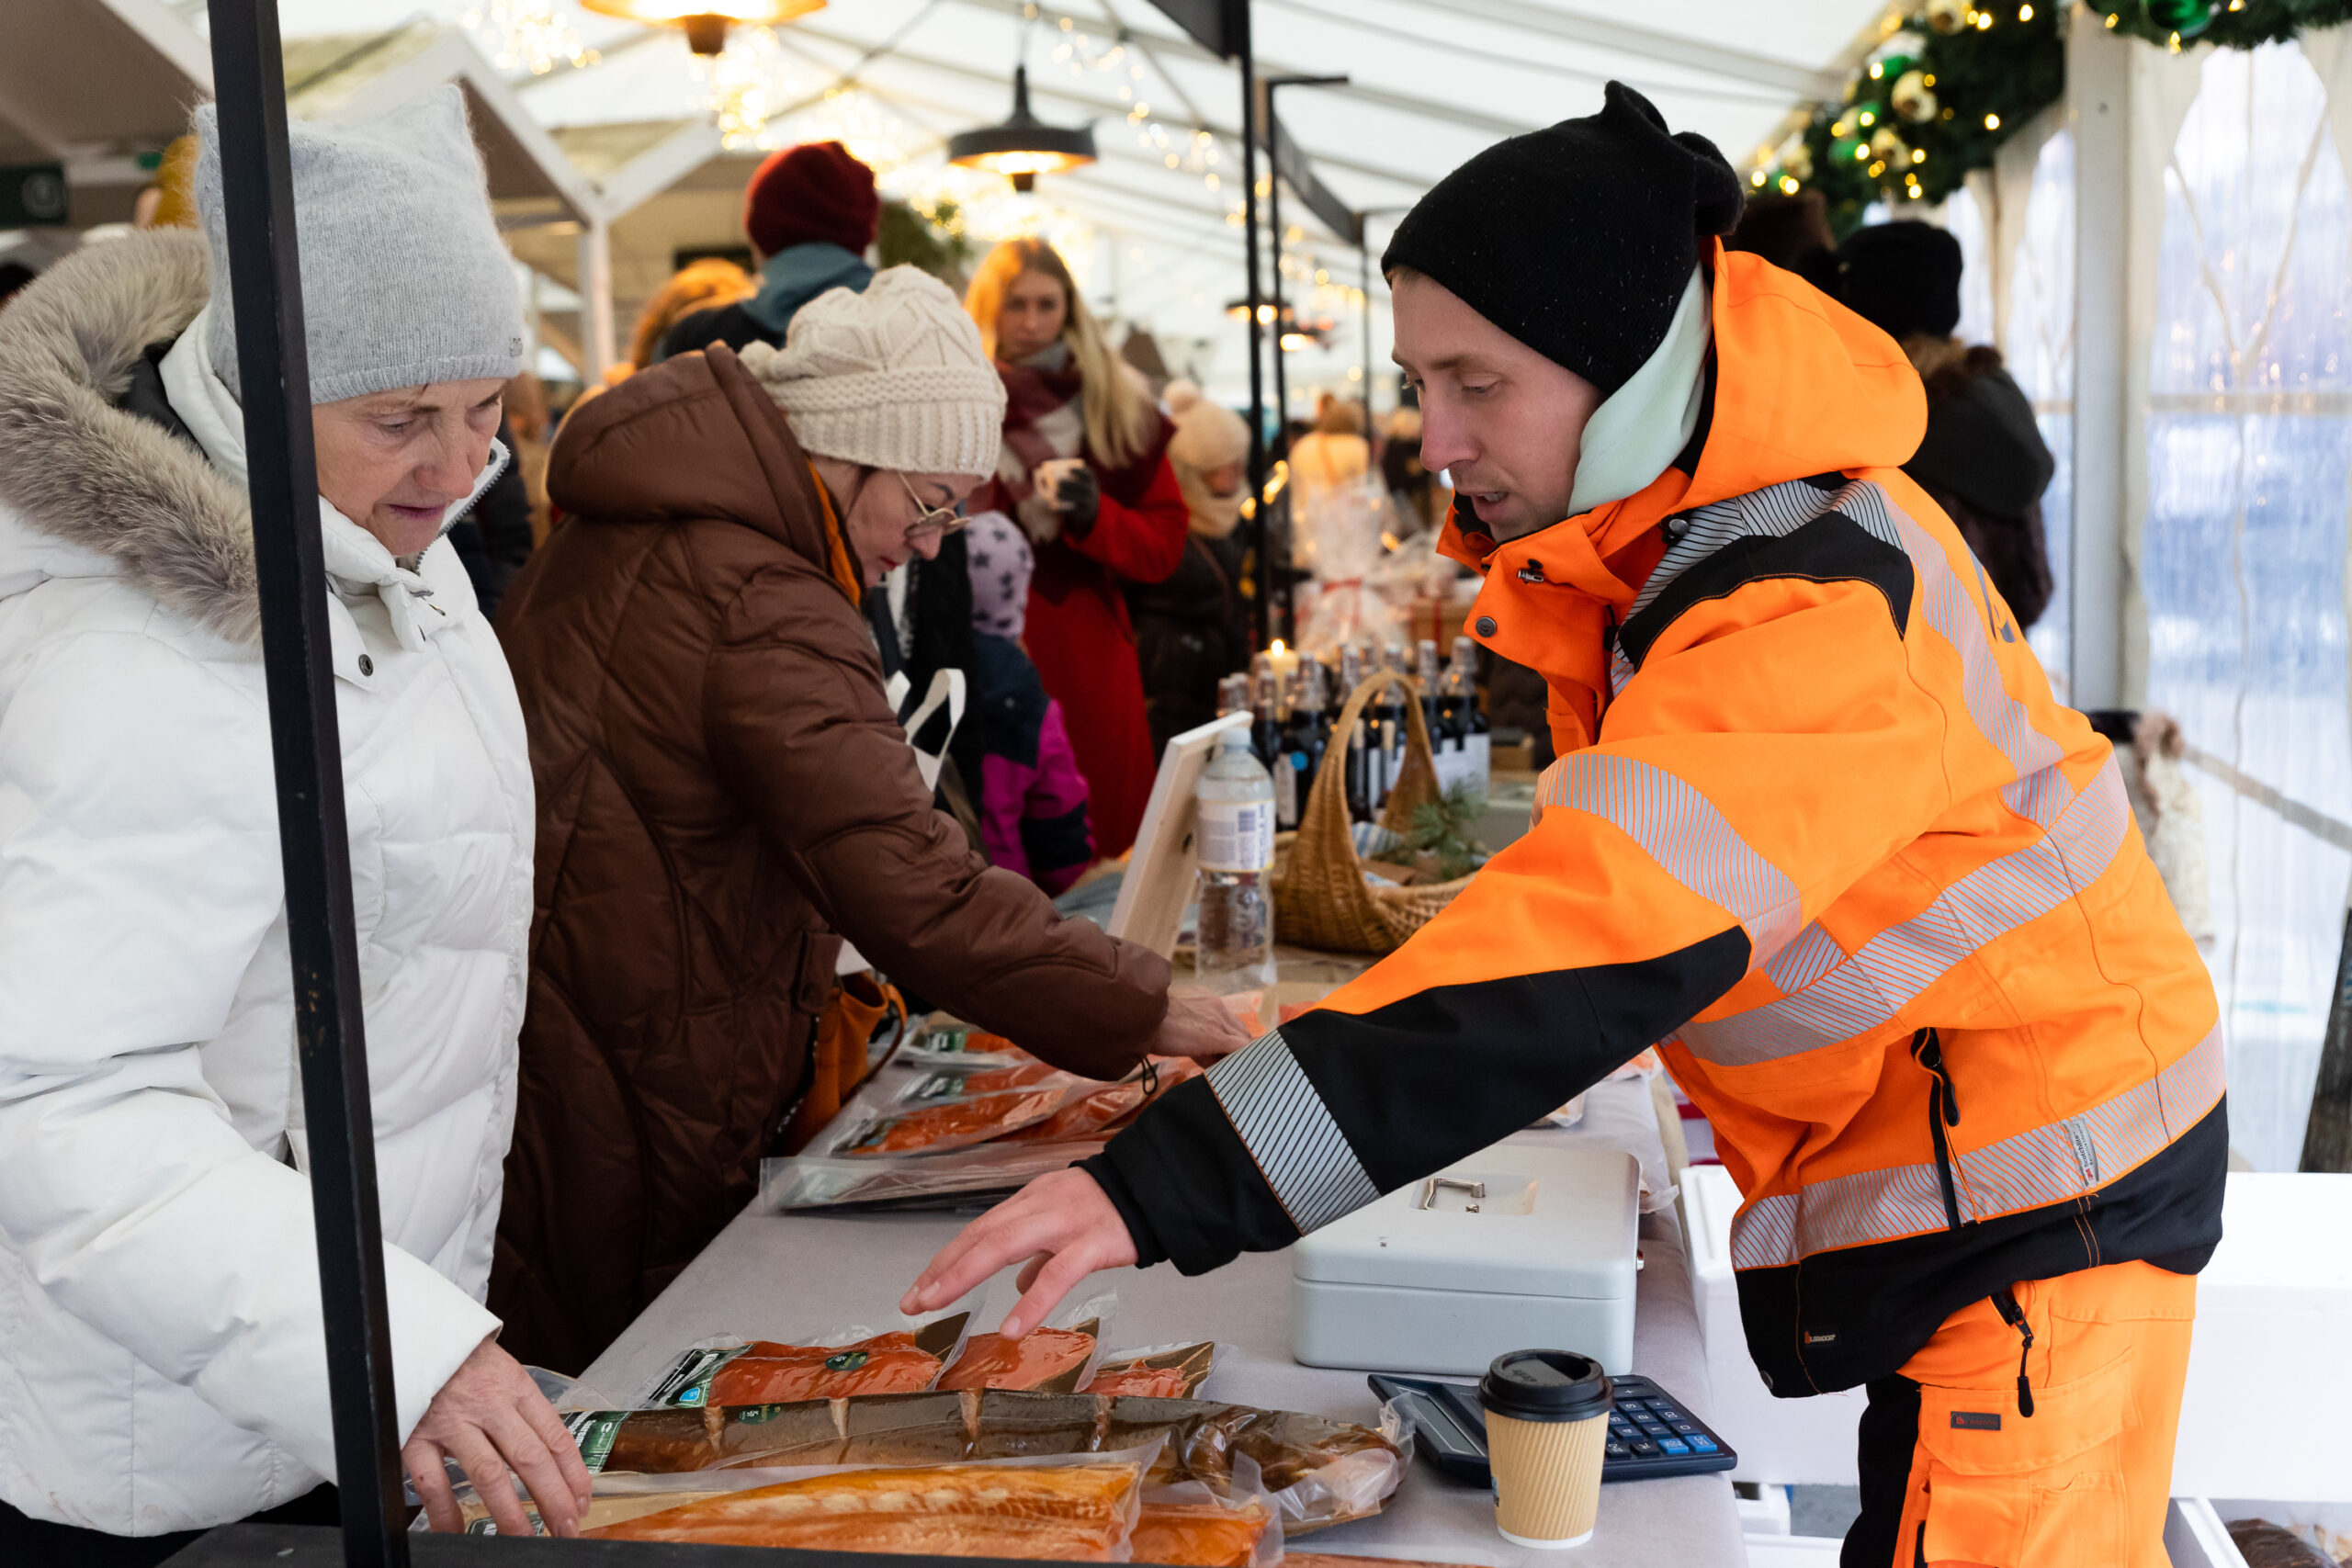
(492, 1419)
(1064, 1224)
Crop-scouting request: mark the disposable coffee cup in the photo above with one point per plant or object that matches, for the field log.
(1547, 1420)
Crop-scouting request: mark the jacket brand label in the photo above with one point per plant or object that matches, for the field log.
(1821, 1337)
(2085, 1154)
(1976, 1420)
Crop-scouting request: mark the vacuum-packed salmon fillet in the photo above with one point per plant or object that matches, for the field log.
(1155, 1382)
(1073, 1512)
(956, 1122)
(1199, 1535)
(770, 1373)
(990, 1361)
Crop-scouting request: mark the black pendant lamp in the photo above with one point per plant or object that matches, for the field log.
(1025, 146)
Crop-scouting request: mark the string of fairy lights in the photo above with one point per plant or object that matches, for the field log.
(760, 94)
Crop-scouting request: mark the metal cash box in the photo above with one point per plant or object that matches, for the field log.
(1520, 1244)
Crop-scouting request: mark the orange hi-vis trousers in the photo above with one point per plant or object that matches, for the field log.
(1955, 1471)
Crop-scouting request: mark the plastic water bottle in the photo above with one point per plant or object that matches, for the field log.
(1236, 838)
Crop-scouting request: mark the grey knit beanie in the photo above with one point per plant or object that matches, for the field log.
(404, 279)
(893, 378)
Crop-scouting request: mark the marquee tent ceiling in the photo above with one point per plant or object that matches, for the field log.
(1430, 83)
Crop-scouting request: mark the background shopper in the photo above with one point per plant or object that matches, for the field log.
(1085, 471)
(725, 795)
(1190, 632)
(1982, 458)
(1032, 798)
(809, 213)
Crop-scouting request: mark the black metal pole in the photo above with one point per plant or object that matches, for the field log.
(266, 283)
(1274, 247)
(1262, 610)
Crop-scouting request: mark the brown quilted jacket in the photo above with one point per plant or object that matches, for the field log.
(724, 795)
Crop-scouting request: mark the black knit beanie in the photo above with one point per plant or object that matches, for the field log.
(1902, 278)
(1577, 240)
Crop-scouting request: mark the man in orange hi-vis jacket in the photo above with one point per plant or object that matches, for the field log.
(1818, 829)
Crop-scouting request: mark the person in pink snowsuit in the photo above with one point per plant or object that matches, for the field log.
(1032, 798)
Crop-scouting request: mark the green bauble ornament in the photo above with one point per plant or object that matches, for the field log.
(2187, 17)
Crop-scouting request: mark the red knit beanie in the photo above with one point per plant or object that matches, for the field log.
(814, 191)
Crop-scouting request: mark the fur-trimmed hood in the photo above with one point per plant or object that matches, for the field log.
(78, 469)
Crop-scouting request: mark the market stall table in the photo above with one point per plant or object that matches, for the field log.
(775, 1274)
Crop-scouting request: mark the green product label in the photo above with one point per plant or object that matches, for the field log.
(937, 1087)
(594, 1430)
(847, 1362)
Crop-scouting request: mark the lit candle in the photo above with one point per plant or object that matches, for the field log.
(1281, 660)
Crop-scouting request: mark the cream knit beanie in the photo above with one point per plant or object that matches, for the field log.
(1208, 435)
(892, 377)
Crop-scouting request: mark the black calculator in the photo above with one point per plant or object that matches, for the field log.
(1651, 1433)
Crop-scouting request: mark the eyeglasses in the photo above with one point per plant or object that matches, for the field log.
(932, 521)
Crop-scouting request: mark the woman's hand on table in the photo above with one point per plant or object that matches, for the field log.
(1065, 1225)
(1203, 1028)
(492, 1419)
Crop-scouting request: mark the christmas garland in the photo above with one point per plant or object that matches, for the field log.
(1940, 96)
(2228, 24)
(1932, 102)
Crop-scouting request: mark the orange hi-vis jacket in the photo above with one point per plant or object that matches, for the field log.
(1820, 830)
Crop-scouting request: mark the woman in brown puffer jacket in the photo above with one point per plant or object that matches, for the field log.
(725, 795)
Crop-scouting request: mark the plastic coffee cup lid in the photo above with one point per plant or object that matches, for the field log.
(1544, 1385)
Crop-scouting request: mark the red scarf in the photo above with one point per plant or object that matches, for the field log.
(1030, 394)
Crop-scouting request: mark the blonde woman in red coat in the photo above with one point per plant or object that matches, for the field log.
(1084, 469)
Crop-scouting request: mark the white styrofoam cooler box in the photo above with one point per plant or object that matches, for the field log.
(2270, 1366)
(1795, 1442)
(2273, 1316)
(1544, 1260)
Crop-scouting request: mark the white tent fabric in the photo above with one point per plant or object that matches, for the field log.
(1152, 225)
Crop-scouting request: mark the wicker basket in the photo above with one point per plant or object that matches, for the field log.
(1321, 899)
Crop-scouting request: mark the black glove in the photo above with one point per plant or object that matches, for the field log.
(1077, 499)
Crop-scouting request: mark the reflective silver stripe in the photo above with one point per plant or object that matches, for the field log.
(1681, 829)
(1946, 605)
(1289, 1131)
(2047, 1165)
(1894, 967)
(1811, 956)
(1774, 513)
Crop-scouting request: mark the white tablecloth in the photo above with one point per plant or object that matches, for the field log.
(776, 1276)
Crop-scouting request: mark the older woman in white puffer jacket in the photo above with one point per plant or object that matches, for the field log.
(162, 1364)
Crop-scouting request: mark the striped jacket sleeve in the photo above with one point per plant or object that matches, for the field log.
(1790, 717)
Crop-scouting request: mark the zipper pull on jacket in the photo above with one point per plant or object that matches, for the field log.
(2013, 1315)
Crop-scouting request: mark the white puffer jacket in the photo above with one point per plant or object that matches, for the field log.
(162, 1365)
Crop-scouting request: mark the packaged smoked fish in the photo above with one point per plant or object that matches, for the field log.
(1066, 1507)
(970, 1178)
(1231, 1523)
(1161, 1371)
(1319, 1471)
(833, 1365)
(961, 1509)
(1316, 1469)
(865, 1130)
(1056, 1356)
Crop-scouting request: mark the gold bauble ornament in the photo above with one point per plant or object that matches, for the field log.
(1912, 98)
(1885, 144)
(1947, 17)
